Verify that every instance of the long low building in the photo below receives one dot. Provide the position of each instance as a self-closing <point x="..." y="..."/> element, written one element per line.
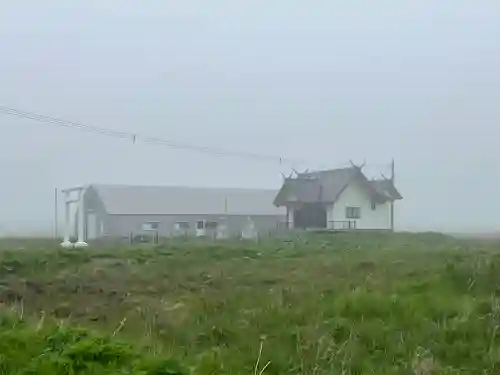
<point x="121" y="210"/>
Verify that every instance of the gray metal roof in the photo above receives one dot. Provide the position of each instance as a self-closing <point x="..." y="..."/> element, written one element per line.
<point x="158" y="200"/>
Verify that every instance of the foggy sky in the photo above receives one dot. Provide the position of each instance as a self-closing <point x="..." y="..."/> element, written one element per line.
<point x="326" y="81"/>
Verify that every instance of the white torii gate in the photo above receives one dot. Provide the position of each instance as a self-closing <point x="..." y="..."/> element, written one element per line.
<point x="80" y="190"/>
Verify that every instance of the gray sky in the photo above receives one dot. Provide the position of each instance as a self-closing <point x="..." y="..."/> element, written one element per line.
<point x="325" y="81"/>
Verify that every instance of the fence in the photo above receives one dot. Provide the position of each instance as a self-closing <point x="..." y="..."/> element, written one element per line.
<point x="341" y="225"/>
<point x="282" y="230"/>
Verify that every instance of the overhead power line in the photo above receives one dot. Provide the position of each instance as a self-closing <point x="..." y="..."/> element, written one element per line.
<point x="144" y="138"/>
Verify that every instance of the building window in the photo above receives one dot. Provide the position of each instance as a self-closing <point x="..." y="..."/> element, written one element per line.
<point x="181" y="225"/>
<point x="211" y="225"/>
<point x="202" y="224"/>
<point x="150" y="225"/>
<point x="353" y="212"/>
<point x="373" y="206"/>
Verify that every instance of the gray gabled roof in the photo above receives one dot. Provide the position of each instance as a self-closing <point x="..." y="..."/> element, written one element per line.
<point x="182" y="200"/>
<point x="386" y="188"/>
<point x="326" y="186"/>
<point x="320" y="186"/>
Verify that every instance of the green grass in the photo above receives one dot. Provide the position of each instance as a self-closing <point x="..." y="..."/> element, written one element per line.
<point x="57" y="349"/>
<point x="343" y="304"/>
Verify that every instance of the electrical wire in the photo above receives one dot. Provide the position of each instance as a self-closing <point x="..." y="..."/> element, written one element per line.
<point x="144" y="138"/>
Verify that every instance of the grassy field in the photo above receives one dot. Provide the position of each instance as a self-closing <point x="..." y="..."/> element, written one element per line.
<point x="344" y="304"/>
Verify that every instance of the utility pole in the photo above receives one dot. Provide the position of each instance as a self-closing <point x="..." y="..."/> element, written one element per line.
<point x="56" y="220"/>
<point x="392" y="202"/>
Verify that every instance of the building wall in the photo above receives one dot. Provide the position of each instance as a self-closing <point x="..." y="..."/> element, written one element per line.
<point x="354" y="195"/>
<point x="290" y="216"/>
<point x="95" y="215"/>
<point x="123" y="225"/>
<point x="329" y="214"/>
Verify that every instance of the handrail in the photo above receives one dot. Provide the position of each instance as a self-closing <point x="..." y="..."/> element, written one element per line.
<point x="330" y="225"/>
